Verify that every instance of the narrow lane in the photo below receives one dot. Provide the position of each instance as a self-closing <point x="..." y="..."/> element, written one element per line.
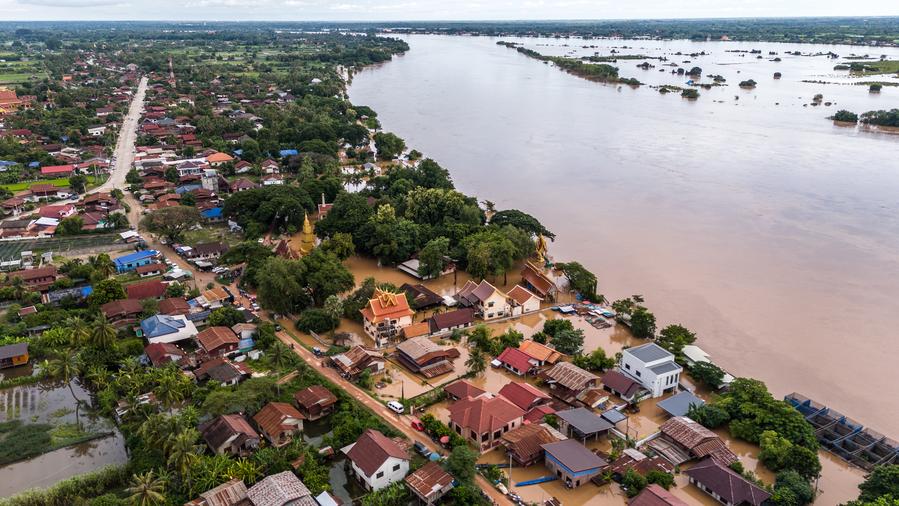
<point x="124" y="150"/>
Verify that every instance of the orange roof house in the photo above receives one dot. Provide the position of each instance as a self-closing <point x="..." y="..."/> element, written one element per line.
<point x="219" y="157"/>
<point x="278" y="422"/>
<point x="218" y="340"/>
<point x="386" y="315"/>
<point x="539" y="352"/>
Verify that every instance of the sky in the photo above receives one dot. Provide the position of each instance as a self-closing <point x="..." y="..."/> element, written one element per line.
<point x="419" y="10"/>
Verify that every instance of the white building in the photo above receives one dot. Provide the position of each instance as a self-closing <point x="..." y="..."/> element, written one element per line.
<point x="489" y="302"/>
<point x="376" y="460"/>
<point x="652" y="366"/>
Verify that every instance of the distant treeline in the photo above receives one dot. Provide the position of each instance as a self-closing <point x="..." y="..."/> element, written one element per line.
<point x="601" y="72"/>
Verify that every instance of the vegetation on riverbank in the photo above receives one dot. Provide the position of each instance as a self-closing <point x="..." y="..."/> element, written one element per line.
<point x="20" y="441"/>
<point x="600" y="72"/>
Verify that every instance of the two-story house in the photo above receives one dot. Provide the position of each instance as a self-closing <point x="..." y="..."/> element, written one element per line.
<point x="652" y="366"/>
<point x="484" y="419"/>
<point x="489" y="302"/>
<point x="376" y="460"/>
<point x="385" y="316"/>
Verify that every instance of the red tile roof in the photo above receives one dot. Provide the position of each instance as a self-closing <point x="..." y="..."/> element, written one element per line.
<point x="158" y="353"/>
<point x="372" y="449"/>
<point x="654" y="495"/>
<point x="272" y="416"/>
<point x="146" y="290"/>
<point x="462" y="389"/>
<point x="213" y="338"/>
<point x="316" y="394"/>
<point x="516" y="358"/>
<point x="123" y="307"/>
<point x="523" y="395"/>
<point x="484" y="413"/>
<point x="174" y="306"/>
<point x="386" y="305"/>
<point x="57" y="169"/>
<point x="154" y="267"/>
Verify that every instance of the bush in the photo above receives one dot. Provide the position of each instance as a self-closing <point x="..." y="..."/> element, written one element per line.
<point x="315" y="320"/>
<point x="846" y="116"/>
<point x="749" y="83"/>
<point x="875" y="87"/>
<point x="65" y="492"/>
<point x="690" y="93"/>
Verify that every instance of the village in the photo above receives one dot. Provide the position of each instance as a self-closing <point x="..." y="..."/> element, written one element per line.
<point x="248" y="330"/>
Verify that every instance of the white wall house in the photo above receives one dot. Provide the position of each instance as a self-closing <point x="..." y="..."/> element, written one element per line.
<point x="652" y="366"/>
<point x="376" y="460"/>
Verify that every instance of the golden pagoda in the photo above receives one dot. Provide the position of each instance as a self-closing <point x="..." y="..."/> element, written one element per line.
<point x="307" y="237"/>
<point x="542" y="250"/>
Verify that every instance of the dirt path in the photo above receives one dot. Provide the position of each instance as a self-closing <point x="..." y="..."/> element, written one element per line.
<point x="401" y="423"/>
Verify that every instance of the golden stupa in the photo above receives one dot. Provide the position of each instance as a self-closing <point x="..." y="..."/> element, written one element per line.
<point x="307" y="237"/>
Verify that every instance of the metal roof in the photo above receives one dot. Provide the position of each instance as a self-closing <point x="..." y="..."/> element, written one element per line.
<point x="649" y="352"/>
<point x="584" y="420"/>
<point x="679" y="404"/>
<point x="665" y="368"/>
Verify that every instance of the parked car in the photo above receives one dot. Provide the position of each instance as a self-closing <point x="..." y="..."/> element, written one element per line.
<point x="396" y="407"/>
<point x="421" y="449"/>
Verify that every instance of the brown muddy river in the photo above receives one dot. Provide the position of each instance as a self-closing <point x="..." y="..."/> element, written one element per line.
<point x="744" y="215"/>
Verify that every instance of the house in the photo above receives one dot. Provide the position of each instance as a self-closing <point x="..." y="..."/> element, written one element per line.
<point x="544" y="355"/>
<point x="351" y="363"/>
<point x="484" y="419"/>
<point x="218" y="158"/>
<point x="411" y="266"/>
<point x="621" y="385"/>
<point x="525" y="444"/>
<point x="488" y="301"/>
<point x="38" y="279"/>
<point x="652" y="366"/>
<point x="377" y="460"/>
<point x="462" y="390"/>
<point x="423" y="356"/>
<point x="315" y="402"/>
<point x="75" y="294"/>
<point x="272" y="179"/>
<point x="279" y="422"/>
<point x="654" y="495"/>
<point x="13" y="206"/>
<point x="134" y="260"/>
<point x="572" y="462"/>
<point x="516" y="361"/>
<point x="222" y="371"/>
<point x="538" y="413"/>
<point x="680" y="403"/>
<point x="241" y="185"/>
<point x="270" y="166"/>
<point x="632" y="458"/>
<point x="567" y="380"/>
<point x="47" y="191"/>
<point x="230" y="493"/>
<point x="96" y="131"/>
<point x="386" y="315"/>
<point x="725" y="485"/>
<point x="174" y="306"/>
<point x="150" y="270"/>
<point x="122" y="312"/>
<point x="683" y="439"/>
<point x="524" y="395"/>
<point x="217" y="341"/>
<point x="160" y="354"/>
<point x="416" y="330"/>
<point x="581" y="423"/>
<point x="282" y="489"/>
<point x="57" y="170"/>
<point x="421" y="297"/>
<point x="207" y="251"/>
<point x="154" y="289"/>
<point x="537" y="282"/>
<point x="167" y="329"/>
<point x="244" y="330"/>
<point x="230" y="434"/>
<point x="523" y="301"/>
<point x="451" y="320"/>
<point x="429" y="483"/>
<point x="13" y="355"/>
<point x="57" y="211"/>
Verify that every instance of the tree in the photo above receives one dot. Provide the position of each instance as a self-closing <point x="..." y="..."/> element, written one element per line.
<point x="103" y="265"/>
<point x="133" y="177"/>
<point x="389" y="145"/>
<point x="553" y="327"/>
<point x="146" y="489"/>
<point x="315" y="320"/>
<point x="673" y="338"/>
<point x="349" y="214"/>
<point x="325" y="275"/>
<point x="695" y="71"/>
<point x="65" y="366"/>
<point x="181" y="450"/>
<point x="314" y="474"/>
<point x="102" y="333"/>
<point x="171" y="222"/>
<point x="633" y="482"/>
<point x="77" y="183"/>
<point x="595" y="361"/>
<point x="569" y="342"/>
<point x="476" y="363"/>
<point x="280" y="285"/>
<point x="105" y="291"/>
<point x="582" y="280"/>
<point x="432" y="259"/>
<point x="643" y="323"/>
<point x="333" y="307"/>
<point x="660" y="478"/>
<point x="708" y="373"/>
<point x="461" y="464"/>
<point x="709" y="415"/>
<point x="846" y="116"/>
<point x="392" y="495"/>
<point x="792" y="489"/>
<point x="882" y="481"/>
<point x="70" y="226"/>
<point x="340" y="245"/>
<point x="225" y="316"/>
<point x="521" y="220"/>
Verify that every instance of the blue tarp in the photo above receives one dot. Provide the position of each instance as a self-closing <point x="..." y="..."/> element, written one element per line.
<point x="6" y="163"/>
<point x="215" y="212"/>
<point x="34" y="164"/>
<point x="238" y="152"/>
<point x="288" y="152"/>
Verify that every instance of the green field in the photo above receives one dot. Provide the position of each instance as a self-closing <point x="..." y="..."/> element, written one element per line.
<point x="875" y="67"/>
<point x="10" y="250"/>
<point x="61" y="182"/>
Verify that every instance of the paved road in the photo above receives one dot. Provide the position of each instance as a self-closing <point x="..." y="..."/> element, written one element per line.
<point x="124" y="150"/>
<point x="400" y="422"/>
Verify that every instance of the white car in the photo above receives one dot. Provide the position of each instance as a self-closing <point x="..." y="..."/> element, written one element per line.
<point x="396" y="407"/>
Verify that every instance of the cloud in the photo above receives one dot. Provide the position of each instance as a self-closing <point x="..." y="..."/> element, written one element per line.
<point x="71" y="3"/>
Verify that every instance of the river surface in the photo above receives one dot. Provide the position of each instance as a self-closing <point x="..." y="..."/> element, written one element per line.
<point x="744" y="215"/>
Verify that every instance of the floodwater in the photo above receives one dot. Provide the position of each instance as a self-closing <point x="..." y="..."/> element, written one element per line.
<point x="52" y="403"/>
<point x="744" y="215"/>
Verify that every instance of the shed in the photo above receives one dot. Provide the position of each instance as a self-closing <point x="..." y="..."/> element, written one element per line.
<point x="572" y="462"/>
<point x="430" y="482"/>
<point x="680" y="403"/>
<point x="582" y="423"/>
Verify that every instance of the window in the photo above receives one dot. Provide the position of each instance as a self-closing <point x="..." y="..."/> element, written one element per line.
<point x="497" y="434"/>
<point x="484" y="436"/>
<point x="490" y="304"/>
<point x="396" y="467"/>
<point x="638" y="374"/>
<point x="380" y="475"/>
<point x="627" y="366"/>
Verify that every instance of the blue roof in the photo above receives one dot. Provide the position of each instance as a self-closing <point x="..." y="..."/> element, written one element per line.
<point x="6" y="163"/>
<point x="34" y="164"/>
<point x="187" y="188"/>
<point x="238" y="152"/>
<point x="199" y="316"/>
<point x="214" y="212"/>
<point x="288" y="152"/>
<point x="136" y="256"/>
<point x="87" y="290"/>
<point x="160" y="325"/>
<point x="679" y="404"/>
<point x="246" y="344"/>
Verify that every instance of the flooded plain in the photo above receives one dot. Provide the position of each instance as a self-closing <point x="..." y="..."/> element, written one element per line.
<point x="744" y="215"/>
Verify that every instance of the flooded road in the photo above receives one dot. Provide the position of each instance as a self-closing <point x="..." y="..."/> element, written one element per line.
<point x="744" y="215"/>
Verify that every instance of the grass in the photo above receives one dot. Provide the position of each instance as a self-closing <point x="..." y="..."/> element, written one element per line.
<point x="61" y="182"/>
<point x="17" y="78"/>
<point x="210" y="234"/>
<point x="878" y="67"/>
<point x="19" y="441"/>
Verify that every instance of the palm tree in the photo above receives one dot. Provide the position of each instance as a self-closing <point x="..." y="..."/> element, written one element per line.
<point x="65" y="367"/>
<point x="182" y="450"/>
<point x="79" y="330"/>
<point x="170" y="390"/>
<point x="247" y="470"/>
<point x="476" y="362"/>
<point x="146" y="490"/>
<point x="97" y="375"/>
<point x="103" y="265"/>
<point x="278" y="355"/>
<point x="102" y="334"/>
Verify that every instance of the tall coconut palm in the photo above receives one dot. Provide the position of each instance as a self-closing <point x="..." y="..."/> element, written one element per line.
<point x="476" y="362"/>
<point x="247" y="470"/>
<point x="103" y="265"/>
<point x="80" y="332"/>
<point x="102" y="333"/>
<point x="146" y="489"/>
<point x="182" y="450"/>
<point x="170" y="389"/>
<point x="66" y="367"/>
